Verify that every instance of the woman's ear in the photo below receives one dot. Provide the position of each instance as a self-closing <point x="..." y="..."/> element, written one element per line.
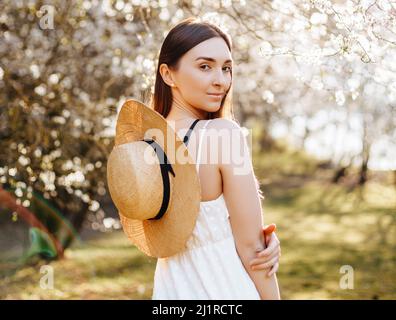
<point x="166" y="75"/>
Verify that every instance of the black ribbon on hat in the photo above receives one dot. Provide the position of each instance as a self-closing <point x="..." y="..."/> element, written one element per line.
<point x="187" y="136"/>
<point x="165" y="169"/>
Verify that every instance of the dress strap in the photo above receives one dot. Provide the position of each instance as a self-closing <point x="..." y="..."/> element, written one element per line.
<point x="200" y="145"/>
<point x="187" y="136"/>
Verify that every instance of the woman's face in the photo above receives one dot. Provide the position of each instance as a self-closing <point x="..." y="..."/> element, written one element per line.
<point x="203" y="70"/>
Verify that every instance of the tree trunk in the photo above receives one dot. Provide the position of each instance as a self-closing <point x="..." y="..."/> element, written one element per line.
<point x="340" y="172"/>
<point x="363" y="177"/>
<point x="363" y="173"/>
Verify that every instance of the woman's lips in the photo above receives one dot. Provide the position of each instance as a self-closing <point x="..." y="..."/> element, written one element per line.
<point x="218" y="96"/>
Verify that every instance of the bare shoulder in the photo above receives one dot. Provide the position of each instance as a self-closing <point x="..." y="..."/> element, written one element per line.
<point x="221" y="131"/>
<point x="223" y="128"/>
<point x="225" y="140"/>
<point x="223" y="123"/>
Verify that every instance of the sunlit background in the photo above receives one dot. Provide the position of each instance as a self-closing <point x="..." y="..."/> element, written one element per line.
<point x="314" y="81"/>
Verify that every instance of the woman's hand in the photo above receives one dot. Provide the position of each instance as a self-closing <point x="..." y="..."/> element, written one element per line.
<point x="269" y="257"/>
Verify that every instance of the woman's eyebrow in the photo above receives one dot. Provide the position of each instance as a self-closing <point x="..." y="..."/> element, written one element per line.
<point x="211" y="59"/>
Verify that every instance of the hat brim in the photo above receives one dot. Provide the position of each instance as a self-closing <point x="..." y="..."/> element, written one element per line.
<point x="166" y="236"/>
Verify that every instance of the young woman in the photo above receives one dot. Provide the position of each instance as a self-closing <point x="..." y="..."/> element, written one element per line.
<point x="226" y="256"/>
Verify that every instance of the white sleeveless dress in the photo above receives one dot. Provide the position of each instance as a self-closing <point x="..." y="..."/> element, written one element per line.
<point x="210" y="267"/>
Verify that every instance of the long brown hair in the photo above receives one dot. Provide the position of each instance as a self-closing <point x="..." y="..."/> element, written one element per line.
<point x="181" y="38"/>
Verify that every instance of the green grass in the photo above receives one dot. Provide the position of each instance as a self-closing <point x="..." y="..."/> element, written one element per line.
<point x="105" y="267"/>
<point x="321" y="226"/>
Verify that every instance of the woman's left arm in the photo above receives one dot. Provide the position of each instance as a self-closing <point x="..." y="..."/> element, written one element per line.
<point x="269" y="257"/>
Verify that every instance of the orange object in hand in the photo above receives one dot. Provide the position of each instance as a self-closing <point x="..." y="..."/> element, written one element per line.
<point x="267" y="232"/>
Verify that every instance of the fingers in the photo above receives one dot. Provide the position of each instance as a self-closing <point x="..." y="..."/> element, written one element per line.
<point x="269" y="257"/>
<point x="273" y="254"/>
<point x="257" y="262"/>
<point x="265" y="265"/>
<point x="261" y="260"/>
<point x="273" y="270"/>
<point x="267" y="239"/>
<point x="272" y="245"/>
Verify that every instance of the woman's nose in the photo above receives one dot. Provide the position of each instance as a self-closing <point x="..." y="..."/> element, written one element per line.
<point x="220" y="78"/>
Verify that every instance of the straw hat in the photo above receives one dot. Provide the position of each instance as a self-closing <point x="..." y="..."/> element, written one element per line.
<point x="145" y="183"/>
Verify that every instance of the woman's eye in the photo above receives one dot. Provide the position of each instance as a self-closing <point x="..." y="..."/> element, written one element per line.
<point x="205" y="65"/>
